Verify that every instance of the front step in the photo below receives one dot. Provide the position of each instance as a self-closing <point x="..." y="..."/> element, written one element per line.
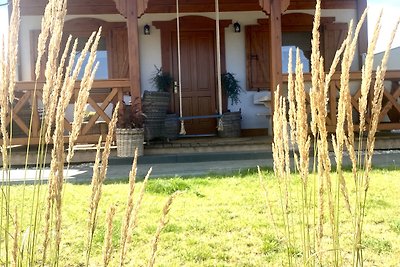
<point x="209" y="145"/>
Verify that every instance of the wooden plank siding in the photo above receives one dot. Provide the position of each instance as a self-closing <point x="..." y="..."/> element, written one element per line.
<point x="77" y="7"/>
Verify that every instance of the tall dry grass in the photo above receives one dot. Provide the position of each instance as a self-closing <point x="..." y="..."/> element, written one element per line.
<point x="34" y="236"/>
<point x="311" y="218"/>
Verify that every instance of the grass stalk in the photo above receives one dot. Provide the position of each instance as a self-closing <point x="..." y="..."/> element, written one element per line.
<point x="161" y="225"/>
<point x="325" y="186"/>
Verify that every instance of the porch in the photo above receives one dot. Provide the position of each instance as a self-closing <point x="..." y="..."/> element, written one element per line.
<point x="106" y="93"/>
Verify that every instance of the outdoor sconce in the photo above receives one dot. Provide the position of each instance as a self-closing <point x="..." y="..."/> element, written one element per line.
<point x="236" y="27"/>
<point x="146" y="29"/>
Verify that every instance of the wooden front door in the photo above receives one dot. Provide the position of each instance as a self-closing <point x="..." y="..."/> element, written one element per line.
<point x="198" y="80"/>
<point x="198" y="61"/>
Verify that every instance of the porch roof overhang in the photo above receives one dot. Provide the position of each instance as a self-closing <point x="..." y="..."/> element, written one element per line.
<point x="85" y="7"/>
<point x="169" y="6"/>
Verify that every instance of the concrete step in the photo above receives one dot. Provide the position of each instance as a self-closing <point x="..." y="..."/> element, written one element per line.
<point x="194" y="157"/>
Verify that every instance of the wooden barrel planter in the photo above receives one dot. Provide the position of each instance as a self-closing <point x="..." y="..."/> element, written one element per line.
<point x="231" y="124"/>
<point x="128" y="140"/>
<point x="155" y="105"/>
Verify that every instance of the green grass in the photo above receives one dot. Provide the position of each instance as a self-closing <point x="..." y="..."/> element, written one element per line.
<point x="219" y="221"/>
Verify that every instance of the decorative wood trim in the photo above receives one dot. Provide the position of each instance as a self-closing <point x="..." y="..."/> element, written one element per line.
<point x="141" y="5"/>
<point x="121" y="7"/>
<point x="284" y="5"/>
<point x="80" y="7"/>
<point x="265" y="6"/>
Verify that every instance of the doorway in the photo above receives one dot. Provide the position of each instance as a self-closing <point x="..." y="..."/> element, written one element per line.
<point x="198" y="68"/>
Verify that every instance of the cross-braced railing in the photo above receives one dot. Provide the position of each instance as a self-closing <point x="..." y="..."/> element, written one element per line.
<point x="27" y="111"/>
<point x="389" y="118"/>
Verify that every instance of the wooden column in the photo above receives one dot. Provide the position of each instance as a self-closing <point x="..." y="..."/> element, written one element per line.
<point x="133" y="51"/>
<point x="275" y="48"/>
<point x="363" y="38"/>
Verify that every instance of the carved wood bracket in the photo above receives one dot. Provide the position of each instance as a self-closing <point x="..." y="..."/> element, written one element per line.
<point x="122" y="6"/>
<point x="266" y="5"/>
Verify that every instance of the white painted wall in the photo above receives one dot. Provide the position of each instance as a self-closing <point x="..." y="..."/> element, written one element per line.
<point x="150" y="52"/>
<point x="393" y="62"/>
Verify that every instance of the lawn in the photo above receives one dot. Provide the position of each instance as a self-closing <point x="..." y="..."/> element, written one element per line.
<point x="218" y="221"/>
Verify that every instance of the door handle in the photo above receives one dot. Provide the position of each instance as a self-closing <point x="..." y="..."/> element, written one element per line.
<point x="176" y="87"/>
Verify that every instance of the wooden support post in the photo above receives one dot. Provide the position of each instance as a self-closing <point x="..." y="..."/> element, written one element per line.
<point x="275" y="49"/>
<point x="133" y="51"/>
<point x="363" y="38"/>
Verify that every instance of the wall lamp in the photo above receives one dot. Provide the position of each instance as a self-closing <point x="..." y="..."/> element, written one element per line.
<point x="236" y="27"/>
<point x="146" y="29"/>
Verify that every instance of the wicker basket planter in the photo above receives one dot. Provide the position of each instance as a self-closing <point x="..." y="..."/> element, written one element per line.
<point x="231" y="122"/>
<point x="171" y="127"/>
<point x="155" y="105"/>
<point x="128" y="140"/>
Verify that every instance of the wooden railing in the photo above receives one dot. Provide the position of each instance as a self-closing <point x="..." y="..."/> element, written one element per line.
<point x="104" y="94"/>
<point x="389" y="118"/>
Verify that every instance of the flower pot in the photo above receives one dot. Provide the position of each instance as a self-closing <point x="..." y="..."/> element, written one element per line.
<point x="155" y="106"/>
<point x="128" y="140"/>
<point x="171" y="127"/>
<point x="231" y="124"/>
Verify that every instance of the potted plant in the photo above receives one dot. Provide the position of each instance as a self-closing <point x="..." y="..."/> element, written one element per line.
<point x="161" y="80"/>
<point x="230" y="121"/>
<point x="231" y="87"/>
<point x="156" y="103"/>
<point x="130" y="130"/>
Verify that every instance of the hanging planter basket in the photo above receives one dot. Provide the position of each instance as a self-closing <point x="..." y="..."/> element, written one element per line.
<point x="128" y="140"/>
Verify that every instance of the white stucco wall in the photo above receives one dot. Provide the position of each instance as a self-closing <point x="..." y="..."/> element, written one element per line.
<point x="393" y="62"/>
<point x="150" y="52"/>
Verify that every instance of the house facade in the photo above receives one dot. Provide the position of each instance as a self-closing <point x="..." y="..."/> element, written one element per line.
<point x="253" y="43"/>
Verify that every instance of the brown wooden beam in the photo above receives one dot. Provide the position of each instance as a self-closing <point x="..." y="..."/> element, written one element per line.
<point x="275" y="48"/>
<point x="363" y="38"/>
<point x="133" y="51"/>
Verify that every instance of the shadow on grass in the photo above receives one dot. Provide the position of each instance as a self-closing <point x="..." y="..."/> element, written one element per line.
<point x="238" y="174"/>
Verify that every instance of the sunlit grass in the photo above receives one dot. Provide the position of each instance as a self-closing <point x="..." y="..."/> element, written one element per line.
<point x="220" y="221"/>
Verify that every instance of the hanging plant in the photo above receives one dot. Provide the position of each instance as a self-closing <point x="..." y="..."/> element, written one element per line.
<point x="161" y="80"/>
<point x="231" y="87"/>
